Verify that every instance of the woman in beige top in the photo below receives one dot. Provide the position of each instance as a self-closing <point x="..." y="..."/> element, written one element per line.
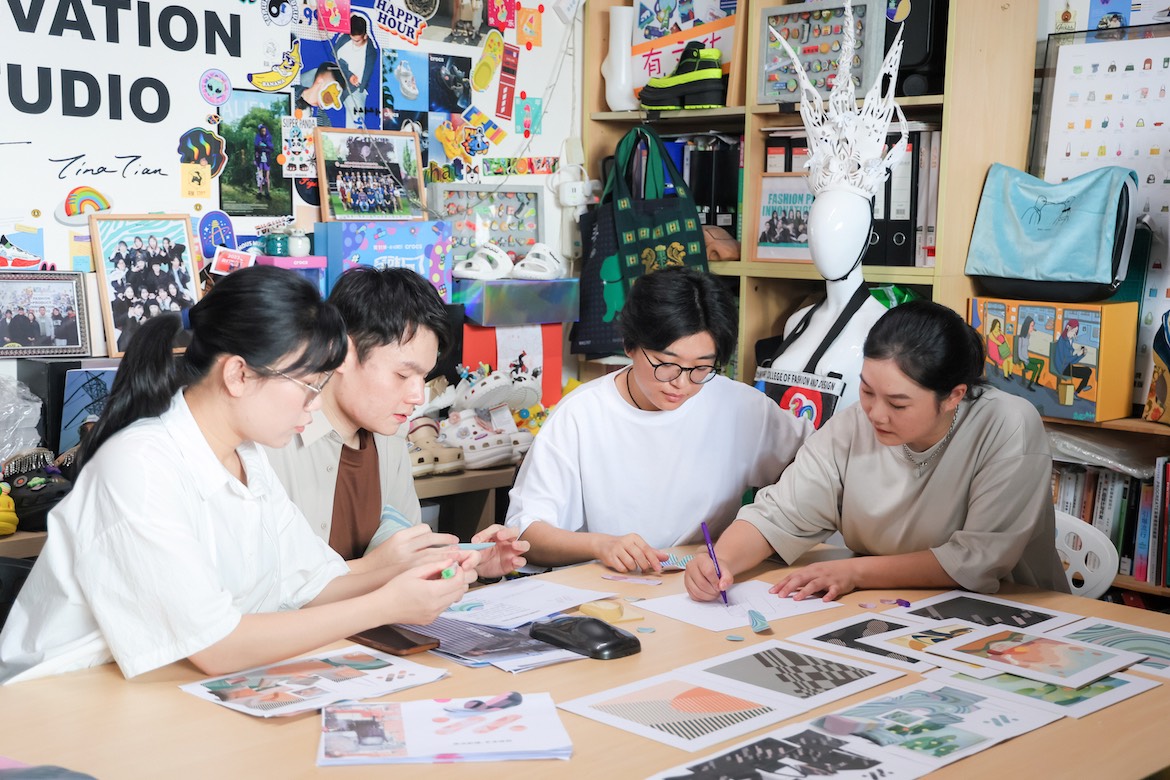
<point x="933" y="479"/>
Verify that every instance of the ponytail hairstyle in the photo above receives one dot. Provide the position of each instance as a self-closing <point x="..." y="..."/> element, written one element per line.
<point x="262" y="314"/>
<point x="930" y="344"/>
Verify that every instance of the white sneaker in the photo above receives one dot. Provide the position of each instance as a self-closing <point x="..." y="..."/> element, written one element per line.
<point x="12" y="256"/>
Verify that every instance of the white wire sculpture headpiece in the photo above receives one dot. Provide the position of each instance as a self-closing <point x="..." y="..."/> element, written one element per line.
<point x="845" y="143"/>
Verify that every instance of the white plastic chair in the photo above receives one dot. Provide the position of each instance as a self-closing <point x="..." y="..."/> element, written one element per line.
<point x="1089" y="558"/>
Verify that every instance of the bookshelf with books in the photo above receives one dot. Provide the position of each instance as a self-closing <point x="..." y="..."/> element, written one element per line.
<point x="984" y="114"/>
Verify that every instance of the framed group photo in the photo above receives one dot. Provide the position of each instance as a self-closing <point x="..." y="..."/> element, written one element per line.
<point x="369" y="175"/>
<point x="146" y="267"/>
<point x="43" y="314"/>
<point x="782" y="217"/>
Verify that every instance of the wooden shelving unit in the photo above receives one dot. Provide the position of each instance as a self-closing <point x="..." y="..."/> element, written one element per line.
<point x="985" y="111"/>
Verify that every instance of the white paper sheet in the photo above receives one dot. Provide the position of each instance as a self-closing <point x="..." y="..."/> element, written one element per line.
<point x="715" y="616"/>
<point x="516" y="602"/>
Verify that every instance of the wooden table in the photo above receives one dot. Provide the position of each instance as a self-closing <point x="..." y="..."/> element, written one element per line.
<point x="22" y="544"/>
<point x="94" y="721"/>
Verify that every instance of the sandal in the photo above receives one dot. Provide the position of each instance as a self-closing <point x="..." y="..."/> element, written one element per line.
<point x="424" y="435"/>
<point x="541" y="262"/>
<point x="487" y="262"/>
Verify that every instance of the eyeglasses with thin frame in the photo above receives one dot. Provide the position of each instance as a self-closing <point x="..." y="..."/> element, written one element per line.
<point x="668" y="372"/>
<point x="311" y="391"/>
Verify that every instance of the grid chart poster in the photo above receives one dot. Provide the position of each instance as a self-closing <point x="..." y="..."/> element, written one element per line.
<point x="1110" y="107"/>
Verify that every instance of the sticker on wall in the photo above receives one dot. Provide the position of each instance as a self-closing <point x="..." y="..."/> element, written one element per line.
<point x="405" y="81"/>
<point x="215" y="229"/>
<point x="281" y="74"/>
<point x="215" y="86"/>
<point x="450" y="89"/>
<point x="489" y="61"/>
<point x="200" y="145"/>
<point x="225" y="260"/>
<point x="519" y="166"/>
<point x="402" y="22"/>
<point x="506" y="90"/>
<point x="457" y="171"/>
<point x="23" y="247"/>
<point x="529" y="27"/>
<point x="194" y="180"/>
<point x="528" y="114"/>
<point x="277" y="12"/>
<point x="502" y="14"/>
<point x="449" y="139"/>
<point x="333" y="16"/>
<point x="80" y="252"/>
<point x="307" y="190"/>
<point x="82" y="201"/>
<point x="296" y="147"/>
<point x="491" y="131"/>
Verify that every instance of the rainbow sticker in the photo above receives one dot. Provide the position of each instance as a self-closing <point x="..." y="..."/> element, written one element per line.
<point x="79" y="204"/>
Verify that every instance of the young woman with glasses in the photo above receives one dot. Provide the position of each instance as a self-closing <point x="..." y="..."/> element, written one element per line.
<point x="632" y="463"/>
<point x="177" y="540"/>
<point x="934" y="479"/>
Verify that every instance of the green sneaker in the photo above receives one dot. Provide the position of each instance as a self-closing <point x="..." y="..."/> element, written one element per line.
<point x="697" y="82"/>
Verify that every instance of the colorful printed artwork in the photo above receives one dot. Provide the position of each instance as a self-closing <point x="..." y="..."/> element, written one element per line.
<point x="678" y="712"/>
<point x="1121" y="636"/>
<point x="1047" y="659"/>
<point x="1057" y="699"/>
<point x="934" y="722"/>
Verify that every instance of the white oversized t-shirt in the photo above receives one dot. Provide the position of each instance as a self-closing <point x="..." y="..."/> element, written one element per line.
<point x="156" y="554"/>
<point x="600" y="465"/>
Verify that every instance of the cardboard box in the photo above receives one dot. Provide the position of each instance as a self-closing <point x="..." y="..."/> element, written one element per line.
<point x="519" y="301"/>
<point x="1079" y="358"/>
<point x="423" y="247"/>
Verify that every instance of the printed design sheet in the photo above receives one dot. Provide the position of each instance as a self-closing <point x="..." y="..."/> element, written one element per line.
<point x="983" y="610"/>
<point x="1122" y="636"/>
<point x="679" y="713"/>
<point x="933" y="723"/>
<point x="845" y="636"/>
<point x="916" y="641"/>
<point x="516" y="602"/>
<point x="1038" y="657"/>
<point x="311" y="682"/>
<point x="800" y="751"/>
<point x="509" y="726"/>
<point x="744" y="596"/>
<point x="799" y="676"/>
<point x="1057" y="699"/>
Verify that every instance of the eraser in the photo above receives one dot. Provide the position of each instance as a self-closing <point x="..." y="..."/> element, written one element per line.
<point x="609" y="611"/>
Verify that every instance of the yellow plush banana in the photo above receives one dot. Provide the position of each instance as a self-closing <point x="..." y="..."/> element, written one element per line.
<point x="282" y="75"/>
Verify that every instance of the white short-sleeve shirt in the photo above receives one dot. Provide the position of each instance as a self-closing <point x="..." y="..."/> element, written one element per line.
<point x="156" y="554"/>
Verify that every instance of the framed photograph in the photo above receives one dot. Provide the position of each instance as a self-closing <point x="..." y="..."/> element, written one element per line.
<point x="511" y="216"/>
<point x="782" y="217"/>
<point x="369" y="175"/>
<point x="815" y="31"/>
<point x="145" y="266"/>
<point x="253" y="184"/>
<point x="44" y="314"/>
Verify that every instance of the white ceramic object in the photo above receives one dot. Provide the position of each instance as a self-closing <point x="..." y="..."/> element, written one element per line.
<point x="618" y="67"/>
<point x="298" y="243"/>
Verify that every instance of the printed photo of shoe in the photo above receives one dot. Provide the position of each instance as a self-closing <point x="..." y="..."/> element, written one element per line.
<point x="406" y="80"/>
<point x="12" y="256"/>
<point x="697" y="82"/>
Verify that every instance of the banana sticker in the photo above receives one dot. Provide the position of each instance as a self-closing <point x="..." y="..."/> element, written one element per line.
<point x="282" y="75"/>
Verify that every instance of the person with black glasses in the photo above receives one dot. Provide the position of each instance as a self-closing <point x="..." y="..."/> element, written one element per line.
<point x="631" y="463"/>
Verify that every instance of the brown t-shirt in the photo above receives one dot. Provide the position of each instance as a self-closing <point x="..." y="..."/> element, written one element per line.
<point x="357" y="501"/>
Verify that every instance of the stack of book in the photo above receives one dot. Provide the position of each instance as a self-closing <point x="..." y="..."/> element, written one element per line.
<point x="1132" y="512"/>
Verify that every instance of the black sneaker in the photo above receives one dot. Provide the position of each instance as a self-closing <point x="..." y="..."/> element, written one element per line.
<point x="697" y="82"/>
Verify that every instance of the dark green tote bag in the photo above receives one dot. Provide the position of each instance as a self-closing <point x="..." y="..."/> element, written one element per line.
<point x="630" y="234"/>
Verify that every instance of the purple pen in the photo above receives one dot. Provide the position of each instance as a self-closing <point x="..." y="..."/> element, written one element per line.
<point x="714" y="560"/>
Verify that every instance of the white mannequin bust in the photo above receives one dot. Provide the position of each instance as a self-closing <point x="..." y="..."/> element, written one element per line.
<point x="838" y="231"/>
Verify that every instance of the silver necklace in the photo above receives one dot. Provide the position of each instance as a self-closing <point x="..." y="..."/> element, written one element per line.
<point x="920" y="467"/>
